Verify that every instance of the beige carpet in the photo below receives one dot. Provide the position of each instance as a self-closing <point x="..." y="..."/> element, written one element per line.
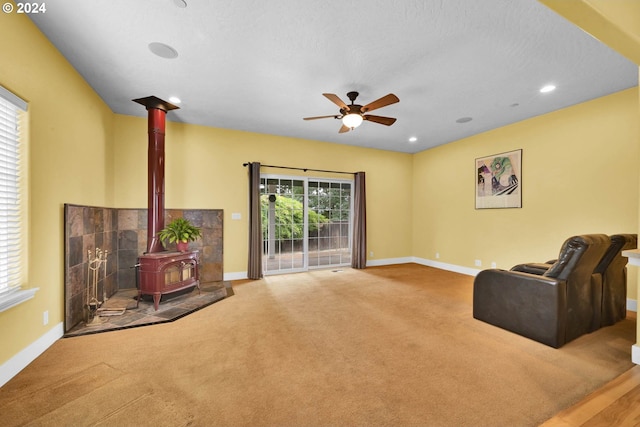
<point x="385" y="346"/>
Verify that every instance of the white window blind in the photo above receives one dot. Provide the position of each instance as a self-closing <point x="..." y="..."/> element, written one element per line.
<point x="11" y="225"/>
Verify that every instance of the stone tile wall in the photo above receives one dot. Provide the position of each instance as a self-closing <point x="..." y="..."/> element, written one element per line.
<point x="123" y="233"/>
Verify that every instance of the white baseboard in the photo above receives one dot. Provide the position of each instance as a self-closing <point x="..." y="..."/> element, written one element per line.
<point x="635" y="354"/>
<point x="632" y="305"/>
<point x="239" y="275"/>
<point x="449" y="267"/>
<point x="422" y="261"/>
<point x="388" y="261"/>
<point x="17" y="363"/>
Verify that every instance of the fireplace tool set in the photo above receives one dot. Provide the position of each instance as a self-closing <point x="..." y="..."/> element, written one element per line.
<point x="93" y="274"/>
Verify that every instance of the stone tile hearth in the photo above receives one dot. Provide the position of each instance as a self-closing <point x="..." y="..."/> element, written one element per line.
<point x="120" y="311"/>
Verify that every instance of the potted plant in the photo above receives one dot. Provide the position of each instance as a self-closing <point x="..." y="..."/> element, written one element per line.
<point x="179" y="231"/>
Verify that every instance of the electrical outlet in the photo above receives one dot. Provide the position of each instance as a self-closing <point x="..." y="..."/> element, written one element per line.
<point x="371" y="254"/>
<point x="437" y="255"/>
<point x="478" y="263"/>
<point x="493" y="264"/>
<point x="45" y="318"/>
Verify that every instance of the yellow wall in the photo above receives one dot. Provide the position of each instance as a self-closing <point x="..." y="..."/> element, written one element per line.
<point x="204" y="170"/>
<point x="70" y="161"/>
<point x="580" y="175"/>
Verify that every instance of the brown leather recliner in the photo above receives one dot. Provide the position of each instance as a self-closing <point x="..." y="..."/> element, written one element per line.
<point x="553" y="308"/>
<point x="614" y="278"/>
<point x="609" y="283"/>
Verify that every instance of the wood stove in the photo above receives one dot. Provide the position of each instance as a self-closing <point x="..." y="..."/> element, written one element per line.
<point x="161" y="272"/>
<point x="164" y="273"/>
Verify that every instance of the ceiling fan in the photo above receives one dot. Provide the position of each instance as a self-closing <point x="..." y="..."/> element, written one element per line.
<point x="353" y="115"/>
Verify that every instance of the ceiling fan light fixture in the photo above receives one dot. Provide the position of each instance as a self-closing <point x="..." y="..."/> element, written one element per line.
<point x="352" y="120"/>
<point x="353" y="115"/>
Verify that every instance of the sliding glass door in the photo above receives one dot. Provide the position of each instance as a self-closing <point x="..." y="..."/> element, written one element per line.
<point x="329" y="223"/>
<point x="306" y="223"/>
<point x="282" y="202"/>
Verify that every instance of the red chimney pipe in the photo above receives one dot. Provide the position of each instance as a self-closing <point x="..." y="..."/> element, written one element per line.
<point x="157" y="109"/>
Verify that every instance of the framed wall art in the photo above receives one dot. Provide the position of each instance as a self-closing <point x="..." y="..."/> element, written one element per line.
<point x="499" y="181"/>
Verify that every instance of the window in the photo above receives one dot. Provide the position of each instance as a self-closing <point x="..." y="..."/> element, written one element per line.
<point x="12" y="210"/>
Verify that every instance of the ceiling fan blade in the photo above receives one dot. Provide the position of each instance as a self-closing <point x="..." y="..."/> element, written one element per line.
<point x="321" y="117"/>
<point x="344" y="129"/>
<point x="334" y="98"/>
<point x="382" y="102"/>
<point x="388" y="121"/>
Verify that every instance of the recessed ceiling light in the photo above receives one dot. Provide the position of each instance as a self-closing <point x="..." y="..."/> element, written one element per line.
<point x="547" y="88"/>
<point x="174" y="100"/>
<point x="180" y="3"/>
<point x="163" y="50"/>
<point x="413" y="139"/>
<point x="464" y="120"/>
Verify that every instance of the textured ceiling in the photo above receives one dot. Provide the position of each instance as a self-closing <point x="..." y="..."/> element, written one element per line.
<point x="262" y="66"/>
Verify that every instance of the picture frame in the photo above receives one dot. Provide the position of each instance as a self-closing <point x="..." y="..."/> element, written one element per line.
<point x="499" y="180"/>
